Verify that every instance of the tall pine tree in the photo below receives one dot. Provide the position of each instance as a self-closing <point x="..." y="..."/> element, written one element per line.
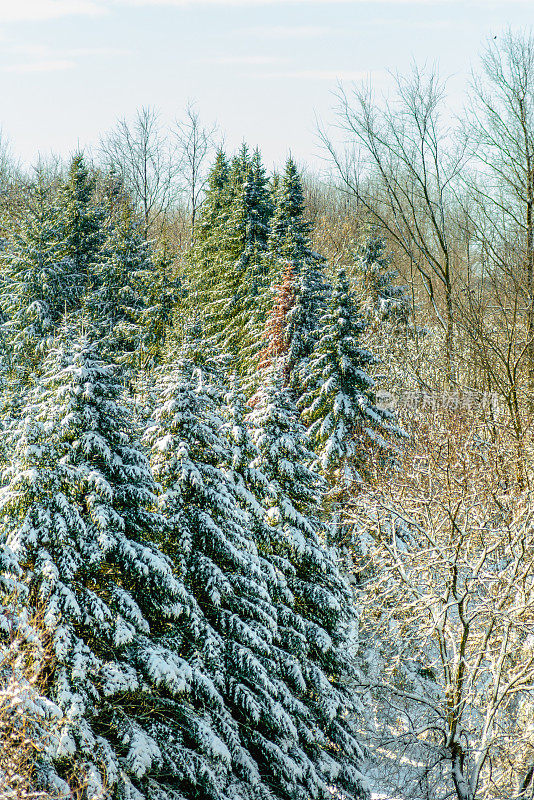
<point x="289" y="243"/>
<point x="339" y="404"/>
<point x="227" y="270"/>
<point x="38" y="278"/>
<point x="81" y="219"/>
<point x="116" y="303"/>
<point x="287" y="718"/>
<point x="315" y="615"/>
<point x="77" y="535"/>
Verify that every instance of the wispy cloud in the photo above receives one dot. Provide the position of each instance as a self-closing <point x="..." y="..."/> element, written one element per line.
<point x="39" y="10"/>
<point x="183" y="3"/>
<point x="318" y="74"/>
<point x="45" y="52"/>
<point x="48" y="65"/>
<point x="289" y="31"/>
<point x="42" y="58"/>
<point x="253" y="61"/>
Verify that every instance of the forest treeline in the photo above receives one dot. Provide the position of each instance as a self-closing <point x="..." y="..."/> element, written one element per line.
<point x="265" y="445"/>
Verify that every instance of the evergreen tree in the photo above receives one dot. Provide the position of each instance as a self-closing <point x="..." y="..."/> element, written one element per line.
<point x="280" y="334"/>
<point x="205" y="264"/>
<point x="162" y="291"/>
<point x="383" y="301"/>
<point x="208" y="540"/>
<point x="289" y="238"/>
<point x="314" y="611"/>
<point x="123" y="277"/>
<point x="339" y="403"/>
<point x="276" y="704"/>
<point x="77" y="537"/>
<point x="81" y="221"/>
<point x="227" y="277"/>
<point x="289" y="242"/>
<point x="38" y="281"/>
<point x="202" y="266"/>
<point x="241" y="303"/>
<point x="257" y="205"/>
<point x="289" y="231"/>
<point x="216" y="201"/>
<point x="249" y="483"/>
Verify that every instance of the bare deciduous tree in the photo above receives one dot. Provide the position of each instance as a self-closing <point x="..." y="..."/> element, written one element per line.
<point x="140" y="154"/>
<point x="399" y="164"/>
<point x="446" y="587"/>
<point x="500" y="122"/>
<point x="195" y="145"/>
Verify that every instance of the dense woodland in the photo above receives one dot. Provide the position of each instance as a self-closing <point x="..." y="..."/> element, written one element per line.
<point x="266" y="443"/>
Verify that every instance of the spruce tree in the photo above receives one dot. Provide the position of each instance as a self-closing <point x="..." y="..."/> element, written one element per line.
<point x="257" y="209"/>
<point x="215" y="203"/>
<point x="162" y="291"/>
<point x="207" y="537"/>
<point x="289" y="243"/>
<point x="38" y="280"/>
<point x="276" y="704"/>
<point x="280" y="334"/>
<point x="249" y="483"/>
<point x="240" y="304"/>
<point x="227" y="275"/>
<point x="77" y="534"/>
<point x="289" y="236"/>
<point x="383" y="300"/>
<point x="339" y="403"/>
<point x="116" y="304"/>
<point x="204" y="272"/>
<point x="81" y="220"/>
<point x="315" y="615"/>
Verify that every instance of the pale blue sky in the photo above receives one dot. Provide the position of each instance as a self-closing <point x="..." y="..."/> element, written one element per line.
<point x="262" y="69"/>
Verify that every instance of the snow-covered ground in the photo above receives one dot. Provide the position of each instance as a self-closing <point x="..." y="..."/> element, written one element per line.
<point x="375" y="796"/>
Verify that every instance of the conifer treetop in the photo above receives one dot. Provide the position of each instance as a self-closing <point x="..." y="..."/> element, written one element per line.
<point x="339" y="404"/>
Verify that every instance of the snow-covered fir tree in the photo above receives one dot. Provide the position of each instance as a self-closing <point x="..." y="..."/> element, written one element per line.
<point x="77" y="546"/>
<point x="81" y="219"/>
<point x="241" y="301"/>
<point x="290" y="244"/>
<point x="280" y="334"/>
<point x="315" y="616"/>
<point x="289" y="236"/>
<point x="227" y="273"/>
<point x="286" y="724"/>
<point x="38" y="280"/>
<point x="208" y="539"/>
<point x="117" y="305"/>
<point x="339" y="404"/>
<point x="382" y="299"/>
<point x="215" y="203"/>
<point x="162" y="291"/>
<point x="255" y="285"/>
<point x="249" y="483"/>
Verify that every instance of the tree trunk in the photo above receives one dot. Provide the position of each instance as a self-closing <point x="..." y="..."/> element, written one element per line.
<point x="449" y="337"/>
<point x="530" y="295"/>
<point x="461" y="784"/>
<point x="526" y="783"/>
